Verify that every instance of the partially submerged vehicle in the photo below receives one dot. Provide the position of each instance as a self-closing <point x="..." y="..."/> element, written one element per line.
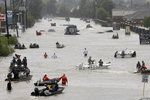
<point x="115" y="36"/>
<point x="51" y="30"/>
<point x="34" y="45"/>
<point x="53" y="24"/>
<point x="59" y="46"/>
<point x="38" y="33"/>
<point x="72" y="30"/>
<point x="125" y="53"/>
<point x="67" y="18"/>
<point x="88" y="26"/>
<point x="46" y="92"/>
<point x="83" y="66"/>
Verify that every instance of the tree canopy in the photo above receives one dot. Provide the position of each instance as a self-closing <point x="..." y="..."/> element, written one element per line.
<point x="94" y="9"/>
<point x="147" y="21"/>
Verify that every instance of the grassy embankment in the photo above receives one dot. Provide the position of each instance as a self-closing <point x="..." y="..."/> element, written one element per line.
<point x="5" y="45"/>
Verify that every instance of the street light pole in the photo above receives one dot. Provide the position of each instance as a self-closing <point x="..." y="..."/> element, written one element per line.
<point x="26" y="15"/>
<point x="7" y="30"/>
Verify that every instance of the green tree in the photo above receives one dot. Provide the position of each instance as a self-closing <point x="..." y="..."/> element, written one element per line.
<point x="108" y="5"/>
<point x="147" y="21"/>
<point x="101" y="13"/>
<point x="63" y="11"/>
<point x="92" y="8"/>
<point x="51" y="7"/>
<point x="35" y="8"/>
<point x="1" y="8"/>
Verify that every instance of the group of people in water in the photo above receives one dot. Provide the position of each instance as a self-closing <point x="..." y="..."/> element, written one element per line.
<point x="54" y="56"/>
<point x="141" y="67"/>
<point x="19" y="46"/>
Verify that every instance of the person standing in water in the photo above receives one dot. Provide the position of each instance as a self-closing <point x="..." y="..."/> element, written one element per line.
<point x="9" y="87"/>
<point x="64" y="80"/>
<point x="85" y="52"/>
<point x="45" y="55"/>
<point x="54" y="56"/>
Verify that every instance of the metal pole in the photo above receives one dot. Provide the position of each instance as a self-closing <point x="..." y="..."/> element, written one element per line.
<point x="143" y="89"/>
<point x="7" y="30"/>
<point x="26" y="15"/>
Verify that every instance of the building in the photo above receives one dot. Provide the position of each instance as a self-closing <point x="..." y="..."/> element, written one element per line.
<point x="118" y="14"/>
<point x="138" y="17"/>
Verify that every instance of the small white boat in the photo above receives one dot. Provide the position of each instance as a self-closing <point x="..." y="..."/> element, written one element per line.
<point x="125" y="53"/>
<point x="83" y="66"/>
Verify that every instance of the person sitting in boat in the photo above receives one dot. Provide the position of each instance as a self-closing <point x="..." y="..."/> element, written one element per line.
<point x="138" y="66"/>
<point x="143" y="66"/>
<point x="57" y="43"/>
<point x="19" y="62"/>
<point x="14" y="60"/>
<point x="90" y="60"/>
<point x="45" y="78"/>
<point x="31" y="44"/>
<point x="17" y="56"/>
<point x="123" y="53"/>
<point x="117" y="35"/>
<point x="9" y="76"/>
<point x="100" y="62"/>
<point x="24" y="62"/>
<point x="54" y="87"/>
<point x="45" y="55"/>
<point x="23" y="46"/>
<point x="85" y="52"/>
<point x="50" y="89"/>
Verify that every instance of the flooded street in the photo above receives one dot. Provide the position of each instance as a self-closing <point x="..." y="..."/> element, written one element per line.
<point x="116" y="83"/>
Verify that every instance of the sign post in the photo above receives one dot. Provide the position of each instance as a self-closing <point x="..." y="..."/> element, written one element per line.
<point x="144" y="80"/>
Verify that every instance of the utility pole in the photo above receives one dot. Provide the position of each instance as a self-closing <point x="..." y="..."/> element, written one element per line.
<point x="6" y="18"/>
<point x="15" y="18"/>
<point x="26" y="15"/>
<point x="131" y="3"/>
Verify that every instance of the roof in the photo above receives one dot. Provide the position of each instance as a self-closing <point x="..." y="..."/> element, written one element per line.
<point x="139" y="14"/>
<point x="118" y="12"/>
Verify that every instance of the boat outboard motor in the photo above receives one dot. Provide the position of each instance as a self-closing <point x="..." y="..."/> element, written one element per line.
<point x="36" y="91"/>
<point x="134" y="54"/>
